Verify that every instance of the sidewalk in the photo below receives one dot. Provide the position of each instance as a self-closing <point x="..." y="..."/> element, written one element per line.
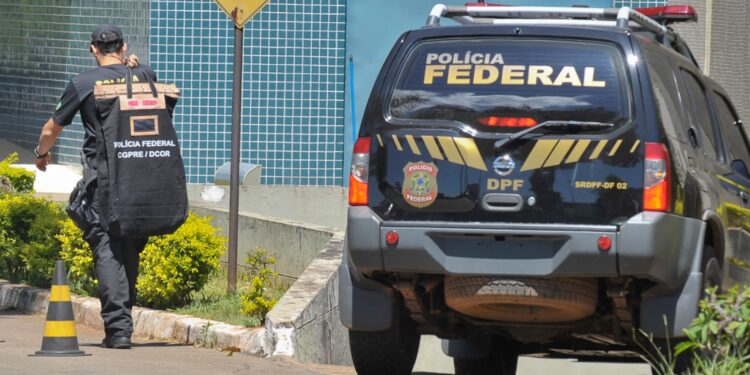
<point x="23" y="336"/>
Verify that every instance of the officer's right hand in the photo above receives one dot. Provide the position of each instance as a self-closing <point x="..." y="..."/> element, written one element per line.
<point x="41" y="163"/>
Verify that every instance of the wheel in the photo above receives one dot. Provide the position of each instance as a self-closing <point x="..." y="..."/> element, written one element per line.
<point x="502" y="361"/>
<point x="522" y="299"/>
<point x="392" y="351"/>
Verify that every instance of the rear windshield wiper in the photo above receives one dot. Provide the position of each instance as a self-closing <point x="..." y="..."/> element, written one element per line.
<point x="578" y="125"/>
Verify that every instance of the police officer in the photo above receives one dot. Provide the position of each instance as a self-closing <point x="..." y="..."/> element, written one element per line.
<point x="115" y="259"/>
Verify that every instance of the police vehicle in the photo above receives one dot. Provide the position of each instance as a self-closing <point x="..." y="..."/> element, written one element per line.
<point x="539" y="178"/>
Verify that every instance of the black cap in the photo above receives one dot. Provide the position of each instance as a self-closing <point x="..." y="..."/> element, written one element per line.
<point x="106" y="33"/>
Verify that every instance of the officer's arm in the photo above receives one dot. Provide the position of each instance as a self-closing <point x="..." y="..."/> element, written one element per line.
<point x="50" y="131"/>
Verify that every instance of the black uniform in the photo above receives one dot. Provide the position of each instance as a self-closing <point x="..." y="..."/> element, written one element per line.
<point x="115" y="259"/>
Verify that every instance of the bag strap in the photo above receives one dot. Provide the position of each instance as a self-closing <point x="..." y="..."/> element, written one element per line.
<point x="129" y="83"/>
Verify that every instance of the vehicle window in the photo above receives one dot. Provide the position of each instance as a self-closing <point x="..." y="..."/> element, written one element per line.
<point x="735" y="136"/>
<point x="501" y="84"/>
<point x="702" y="113"/>
<point x="664" y="85"/>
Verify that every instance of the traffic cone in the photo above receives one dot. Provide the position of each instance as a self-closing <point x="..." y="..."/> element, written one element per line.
<point x="60" y="338"/>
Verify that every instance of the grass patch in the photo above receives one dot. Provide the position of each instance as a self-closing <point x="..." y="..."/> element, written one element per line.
<point x="214" y="303"/>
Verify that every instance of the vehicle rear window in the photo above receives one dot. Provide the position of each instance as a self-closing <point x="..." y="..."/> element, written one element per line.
<point x="498" y="84"/>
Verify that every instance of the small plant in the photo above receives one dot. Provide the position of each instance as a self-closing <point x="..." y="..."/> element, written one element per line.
<point x="21" y="179"/>
<point x="259" y="297"/>
<point x="207" y="339"/>
<point x="28" y="248"/>
<point x="719" y="336"/>
<point x="175" y="265"/>
<point x="77" y="254"/>
<point x="718" y="339"/>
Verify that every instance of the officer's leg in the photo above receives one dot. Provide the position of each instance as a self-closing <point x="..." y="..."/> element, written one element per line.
<point x="114" y="290"/>
<point x="132" y="260"/>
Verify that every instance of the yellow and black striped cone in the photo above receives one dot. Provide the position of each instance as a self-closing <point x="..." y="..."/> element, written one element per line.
<point x="60" y="338"/>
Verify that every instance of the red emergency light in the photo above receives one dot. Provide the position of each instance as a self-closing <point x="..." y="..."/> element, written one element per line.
<point x="670" y="13"/>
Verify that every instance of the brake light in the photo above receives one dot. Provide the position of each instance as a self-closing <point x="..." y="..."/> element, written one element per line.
<point x="657" y="183"/>
<point x="508" y="122"/>
<point x="670" y="13"/>
<point x="360" y="172"/>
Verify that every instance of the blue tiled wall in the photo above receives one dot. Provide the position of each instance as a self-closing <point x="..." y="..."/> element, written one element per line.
<point x="43" y="43"/>
<point x="293" y="109"/>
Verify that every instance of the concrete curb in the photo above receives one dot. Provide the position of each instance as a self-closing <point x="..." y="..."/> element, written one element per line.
<point x="305" y="323"/>
<point x="150" y="324"/>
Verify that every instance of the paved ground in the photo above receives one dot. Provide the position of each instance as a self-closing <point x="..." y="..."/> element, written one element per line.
<point x="23" y="336"/>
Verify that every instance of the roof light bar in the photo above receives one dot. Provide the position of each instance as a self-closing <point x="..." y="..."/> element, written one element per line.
<point x="482" y="13"/>
<point x="670" y="13"/>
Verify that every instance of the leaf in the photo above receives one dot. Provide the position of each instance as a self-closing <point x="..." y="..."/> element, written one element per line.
<point x="741" y="329"/>
<point x="684" y="346"/>
<point x="714" y="327"/>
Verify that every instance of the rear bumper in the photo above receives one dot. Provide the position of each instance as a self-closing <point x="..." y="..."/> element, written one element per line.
<point x="656" y="246"/>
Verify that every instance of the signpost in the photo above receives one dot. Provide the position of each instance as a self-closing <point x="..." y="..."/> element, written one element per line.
<point x="240" y="11"/>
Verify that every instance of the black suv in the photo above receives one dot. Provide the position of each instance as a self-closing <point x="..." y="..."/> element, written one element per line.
<point x="539" y="178"/>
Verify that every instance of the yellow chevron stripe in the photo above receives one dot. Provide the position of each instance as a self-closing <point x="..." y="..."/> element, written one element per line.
<point x="413" y="145"/>
<point x="397" y="143"/>
<point x="598" y="150"/>
<point x="635" y="146"/>
<point x="559" y="152"/>
<point x="380" y="140"/>
<point x="63" y="328"/>
<point x="730" y="182"/>
<point x="450" y="150"/>
<point x="59" y="293"/>
<point x="616" y="147"/>
<point x="470" y="153"/>
<point x="538" y="154"/>
<point x="578" y="151"/>
<point x="432" y="147"/>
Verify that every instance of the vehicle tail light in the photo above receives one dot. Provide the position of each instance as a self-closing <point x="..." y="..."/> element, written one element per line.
<point x="508" y="122"/>
<point x="657" y="186"/>
<point x="670" y="13"/>
<point x="360" y="172"/>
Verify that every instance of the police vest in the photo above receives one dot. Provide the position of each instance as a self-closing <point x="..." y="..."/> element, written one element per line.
<point x="141" y="187"/>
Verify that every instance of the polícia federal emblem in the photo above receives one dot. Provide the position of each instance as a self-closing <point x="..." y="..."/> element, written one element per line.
<point x="420" y="184"/>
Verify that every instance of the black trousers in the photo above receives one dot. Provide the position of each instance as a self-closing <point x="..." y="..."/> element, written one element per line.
<point x="116" y="263"/>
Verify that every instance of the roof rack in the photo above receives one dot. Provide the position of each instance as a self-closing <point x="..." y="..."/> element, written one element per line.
<point x="530" y="15"/>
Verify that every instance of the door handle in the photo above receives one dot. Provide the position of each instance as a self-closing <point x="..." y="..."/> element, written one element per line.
<point x="693" y="136"/>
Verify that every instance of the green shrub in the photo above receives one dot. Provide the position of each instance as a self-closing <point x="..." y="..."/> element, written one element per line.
<point x="78" y="257"/>
<point x="175" y="265"/>
<point x="259" y="297"/>
<point x="21" y="179"/>
<point x="28" y="227"/>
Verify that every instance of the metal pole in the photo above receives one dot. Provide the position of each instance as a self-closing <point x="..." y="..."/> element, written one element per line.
<point x="234" y="180"/>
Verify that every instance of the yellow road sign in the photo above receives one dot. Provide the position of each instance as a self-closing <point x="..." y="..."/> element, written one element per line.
<point x="241" y="11"/>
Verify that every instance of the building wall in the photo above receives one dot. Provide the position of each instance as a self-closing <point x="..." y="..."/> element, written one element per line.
<point x="293" y="111"/>
<point x="293" y="86"/>
<point x="729" y="48"/>
<point x="43" y="43"/>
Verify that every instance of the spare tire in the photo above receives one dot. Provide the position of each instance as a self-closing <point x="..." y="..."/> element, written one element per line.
<point x="518" y="299"/>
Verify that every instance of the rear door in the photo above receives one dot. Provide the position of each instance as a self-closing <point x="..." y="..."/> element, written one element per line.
<point x="437" y="156"/>
<point x="738" y="182"/>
